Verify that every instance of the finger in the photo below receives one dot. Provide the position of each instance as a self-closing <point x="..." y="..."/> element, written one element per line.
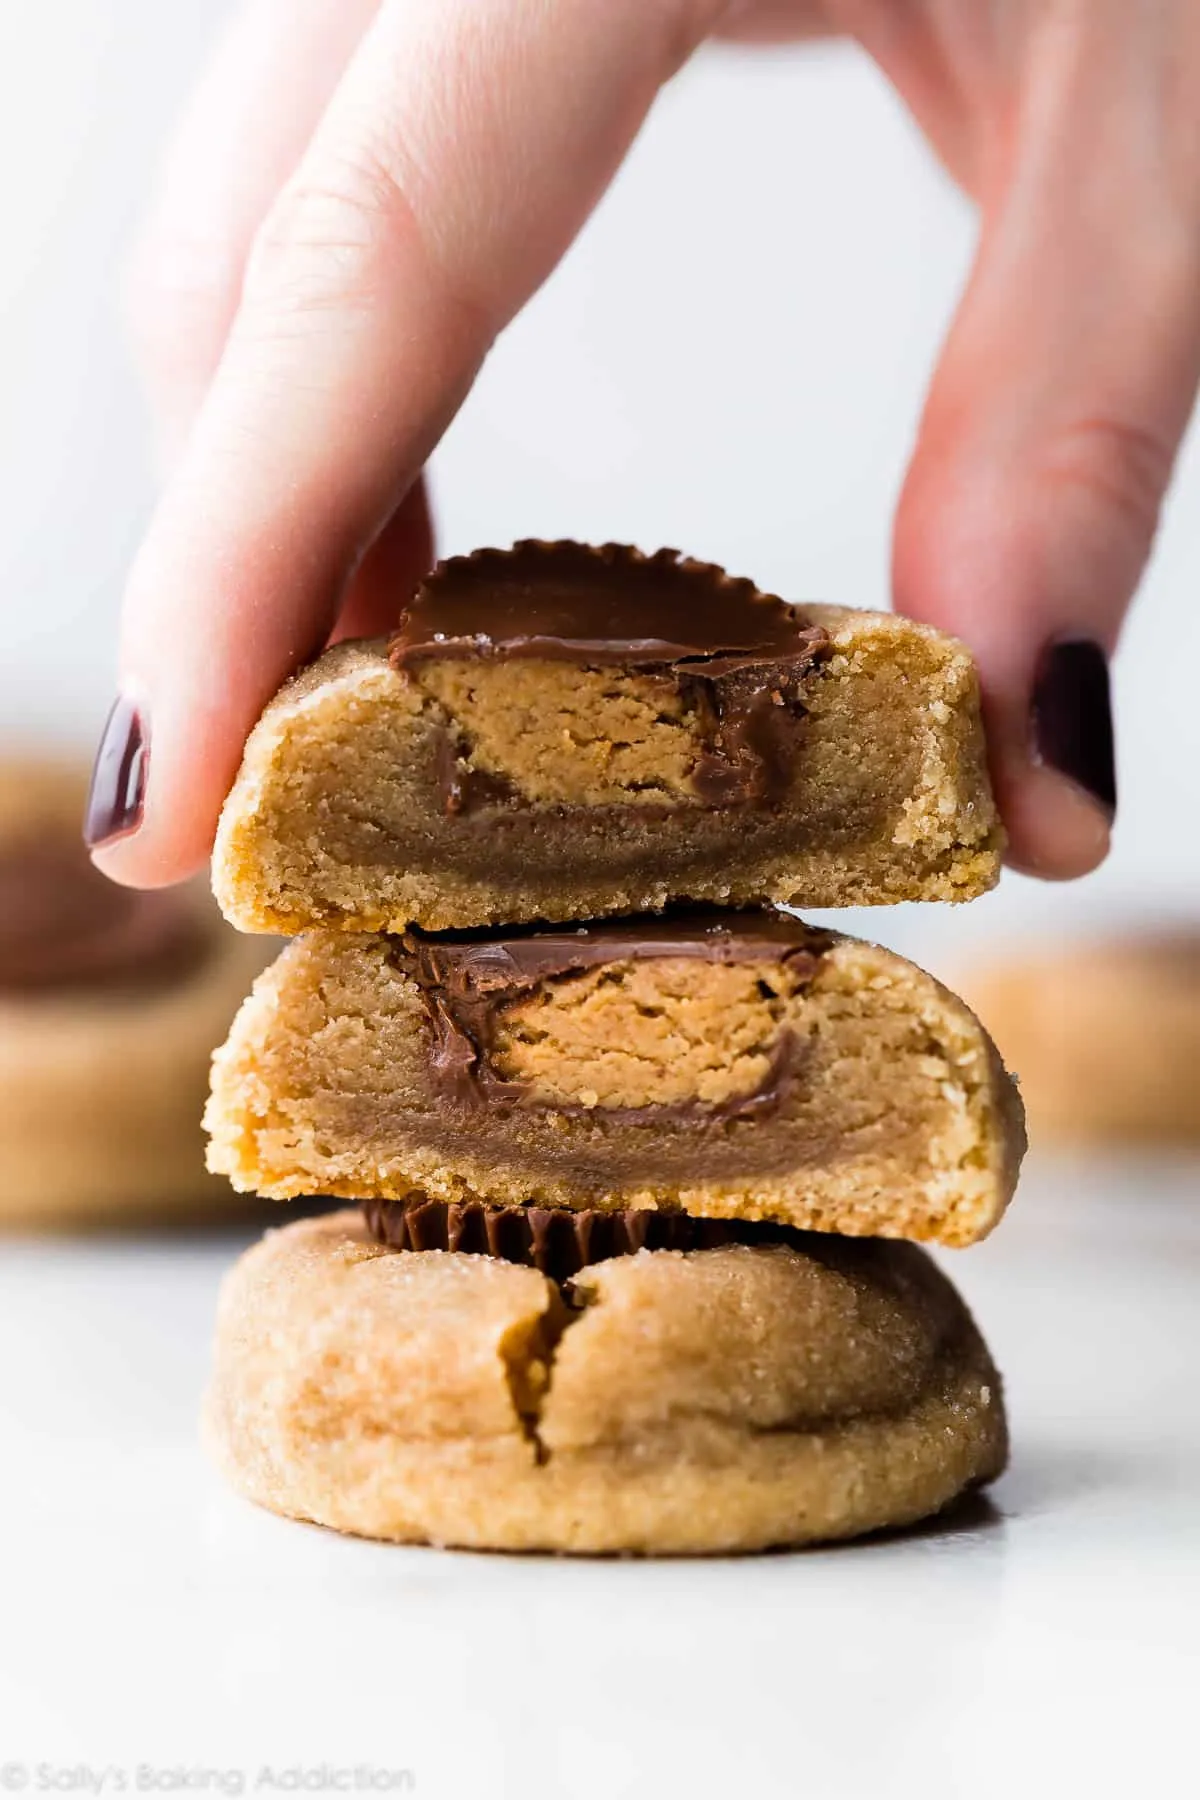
<point x="400" y="555"/>
<point x="460" y="154"/>
<point x="244" y="130"/>
<point x="1053" y="420"/>
<point x="775" y="21"/>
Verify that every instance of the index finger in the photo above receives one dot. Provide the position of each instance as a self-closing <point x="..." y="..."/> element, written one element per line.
<point x="461" y="152"/>
<point x="245" y="128"/>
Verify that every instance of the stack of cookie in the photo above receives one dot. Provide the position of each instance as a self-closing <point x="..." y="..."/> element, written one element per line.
<point x="629" y="1143"/>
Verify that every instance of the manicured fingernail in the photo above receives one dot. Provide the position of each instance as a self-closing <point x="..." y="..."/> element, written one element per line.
<point x="117" y="793"/>
<point x="1072" y="718"/>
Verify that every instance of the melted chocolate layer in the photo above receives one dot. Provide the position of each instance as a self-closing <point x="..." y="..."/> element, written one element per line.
<point x="555" y="1240"/>
<point x="64" y="925"/>
<point x="740" y="657"/>
<point x="467" y="979"/>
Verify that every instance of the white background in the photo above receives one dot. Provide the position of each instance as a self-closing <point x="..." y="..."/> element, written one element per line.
<point x="731" y="361"/>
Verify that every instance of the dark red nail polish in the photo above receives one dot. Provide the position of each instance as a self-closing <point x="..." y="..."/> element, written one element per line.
<point x="117" y="793"/>
<point x="1072" y="718"/>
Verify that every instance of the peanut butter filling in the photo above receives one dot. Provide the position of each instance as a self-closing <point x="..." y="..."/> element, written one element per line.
<point x="562" y="735"/>
<point x="650" y="1034"/>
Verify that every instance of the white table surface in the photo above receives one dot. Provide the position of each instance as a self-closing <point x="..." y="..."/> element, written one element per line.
<point x="158" y="1635"/>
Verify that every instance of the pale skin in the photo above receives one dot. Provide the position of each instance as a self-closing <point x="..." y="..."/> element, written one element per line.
<point x="364" y="192"/>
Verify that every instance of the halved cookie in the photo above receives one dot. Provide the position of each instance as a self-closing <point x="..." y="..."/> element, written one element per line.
<point x="728" y="1065"/>
<point x="667" y="1402"/>
<point x="558" y="732"/>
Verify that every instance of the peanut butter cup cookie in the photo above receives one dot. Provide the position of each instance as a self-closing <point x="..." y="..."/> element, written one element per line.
<point x="737" y="1065"/>
<point x="560" y="732"/>
<point x="1104" y="1034"/>
<point x="670" y="1401"/>
<point x="110" y="1004"/>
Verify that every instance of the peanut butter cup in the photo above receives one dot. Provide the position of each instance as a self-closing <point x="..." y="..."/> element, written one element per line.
<point x="472" y="984"/>
<point x="555" y="1240"/>
<point x="738" y="659"/>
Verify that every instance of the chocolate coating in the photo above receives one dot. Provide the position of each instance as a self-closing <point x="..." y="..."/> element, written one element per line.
<point x="467" y="979"/>
<point x="63" y="925"/>
<point x="741" y="657"/>
<point x="609" y="604"/>
<point x="555" y="1240"/>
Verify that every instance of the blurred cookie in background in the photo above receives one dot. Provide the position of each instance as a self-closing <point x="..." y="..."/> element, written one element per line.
<point x="1103" y="1035"/>
<point x="111" y="1002"/>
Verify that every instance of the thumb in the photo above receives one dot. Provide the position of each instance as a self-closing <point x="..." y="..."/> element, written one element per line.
<point x="1049" y="435"/>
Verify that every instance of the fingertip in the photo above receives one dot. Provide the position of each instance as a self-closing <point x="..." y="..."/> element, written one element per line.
<point x="137" y="865"/>
<point x="158" y="784"/>
<point x="163" y="847"/>
<point x="1024" y="585"/>
<point x="1056" y="830"/>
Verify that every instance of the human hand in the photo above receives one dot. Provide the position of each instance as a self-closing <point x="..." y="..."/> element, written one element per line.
<point x="364" y="193"/>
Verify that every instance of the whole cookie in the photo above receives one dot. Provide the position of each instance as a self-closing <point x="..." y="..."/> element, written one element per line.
<point x="1103" y="1036"/>
<point x="111" y="1003"/>
<point x="671" y="1402"/>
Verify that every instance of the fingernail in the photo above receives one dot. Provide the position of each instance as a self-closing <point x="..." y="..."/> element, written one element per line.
<point x="1072" y="718"/>
<point x="116" y="797"/>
